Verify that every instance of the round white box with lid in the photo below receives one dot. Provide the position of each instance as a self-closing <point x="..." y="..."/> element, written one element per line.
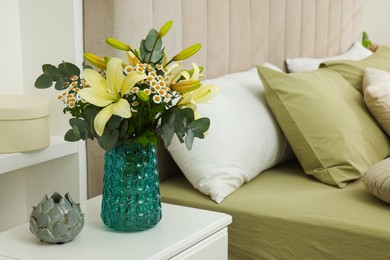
<point x="24" y="123"/>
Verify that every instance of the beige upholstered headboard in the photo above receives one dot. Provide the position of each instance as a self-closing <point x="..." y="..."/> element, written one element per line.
<point x="235" y="36"/>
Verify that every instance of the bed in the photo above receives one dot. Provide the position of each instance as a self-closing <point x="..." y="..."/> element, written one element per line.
<point x="281" y="213"/>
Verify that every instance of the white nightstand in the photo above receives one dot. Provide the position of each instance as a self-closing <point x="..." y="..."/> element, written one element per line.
<point x="183" y="233"/>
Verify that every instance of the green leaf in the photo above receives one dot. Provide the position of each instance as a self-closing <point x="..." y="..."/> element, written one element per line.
<point x="80" y="128"/>
<point x="167" y="127"/>
<point x="73" y="134"/>
<point x="142" y="139"/>
<point x="84" y="134"/>
<point x="50" y="71"/>
<point x="151" y="39"/>
<point x="123" y="128"/>
<point x="143" y="51"/>
<point x="60" y="84"/>
<point x="43" y="81"/>
<point x="153" y="139"/>
<point x="182" y="118"/>
<point x="167" y="134"/>
<point x="80" y="123"/>
<point x="70" y="136"/>
<point x="147" y="137"/>
<point x="68" y="69"/>
<point x="158" y="45"/>
<point x="76" y="131"/>
<point x="109" y="139"/>
<point x="199" y="127"/>
<point x="114" y="122"/>
<point x="181" y="122"/>
<point x="189" y="139"/>
<point x="157" y="56"/>
<point x="90" y="114"/>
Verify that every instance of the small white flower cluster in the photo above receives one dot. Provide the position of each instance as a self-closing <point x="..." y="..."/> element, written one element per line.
<point x="70" y="95"/>
<point x="158" y="81"/>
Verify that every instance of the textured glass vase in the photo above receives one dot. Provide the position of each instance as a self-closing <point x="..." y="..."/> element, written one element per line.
<point x="131" y="189"/>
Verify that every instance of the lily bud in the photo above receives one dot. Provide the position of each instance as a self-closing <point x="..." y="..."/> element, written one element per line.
<point x="143" y="96"/>
<point x="188" y="52"/>
<point x="117" y="44"/>
<point x="165" y="29"/>
<point x="95" y="60"/>
<point x="186" y="86"/>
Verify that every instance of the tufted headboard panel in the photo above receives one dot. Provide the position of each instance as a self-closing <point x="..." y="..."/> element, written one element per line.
<point x="235" y="36"/>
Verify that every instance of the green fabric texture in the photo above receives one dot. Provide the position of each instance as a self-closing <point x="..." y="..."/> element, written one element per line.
<point x="326" y="123"/>
<point x="353" y="71"/>
<point x="285" y="214"/>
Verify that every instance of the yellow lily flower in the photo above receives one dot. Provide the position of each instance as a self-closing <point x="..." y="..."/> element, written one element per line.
<point x="198" y="96"/>
<point x="133" y="60"/>
<point x="205" y="93"/>
<point x="179" y="71"/>
<point x="196" y="74"/>
<point x="165" y="59"/>
<point x="187" y="101"/>
<point x="109" y="92"/>
<point x="175" y="70"/>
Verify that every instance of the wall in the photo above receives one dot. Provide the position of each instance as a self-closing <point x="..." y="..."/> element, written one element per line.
<point x="34" y="33"/>
<point x="376" y="20"/>
<point x="47" y="37"/>
<point x="11" y="69"/>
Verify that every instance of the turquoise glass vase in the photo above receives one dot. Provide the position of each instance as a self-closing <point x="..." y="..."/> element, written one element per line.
<point x="131" y="189"/>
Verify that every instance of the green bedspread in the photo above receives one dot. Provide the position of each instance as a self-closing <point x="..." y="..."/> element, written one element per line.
<point x="284" y="214"/>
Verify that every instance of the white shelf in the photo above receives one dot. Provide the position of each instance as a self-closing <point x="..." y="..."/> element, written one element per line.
<point x="58" y="148"/>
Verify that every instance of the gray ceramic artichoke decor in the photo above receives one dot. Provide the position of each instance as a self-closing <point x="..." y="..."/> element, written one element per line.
<point x="56" y="219"/>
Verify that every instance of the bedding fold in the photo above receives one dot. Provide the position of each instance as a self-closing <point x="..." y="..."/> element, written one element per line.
<point x="284" y="214"/>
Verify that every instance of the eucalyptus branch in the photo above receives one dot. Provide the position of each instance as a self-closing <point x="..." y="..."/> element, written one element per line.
<point x="154" y="46"/>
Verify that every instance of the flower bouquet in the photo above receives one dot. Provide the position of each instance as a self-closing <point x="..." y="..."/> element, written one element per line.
<point x="137" y="99"/>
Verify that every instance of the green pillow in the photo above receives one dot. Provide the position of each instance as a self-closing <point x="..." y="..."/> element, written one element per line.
<point x="353" y="71"/>
<point x="326" y="123"/>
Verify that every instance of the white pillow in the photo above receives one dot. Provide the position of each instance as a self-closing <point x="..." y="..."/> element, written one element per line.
<point x="243" y="139"/>
<point x="376" y="91"/>
<point x="356" y="52"/>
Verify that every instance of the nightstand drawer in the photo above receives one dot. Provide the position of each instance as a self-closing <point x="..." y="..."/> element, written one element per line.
<point x="213" y="247"/>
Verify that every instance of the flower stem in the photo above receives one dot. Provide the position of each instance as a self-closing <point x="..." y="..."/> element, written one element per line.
<point x="154" y="46"/>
